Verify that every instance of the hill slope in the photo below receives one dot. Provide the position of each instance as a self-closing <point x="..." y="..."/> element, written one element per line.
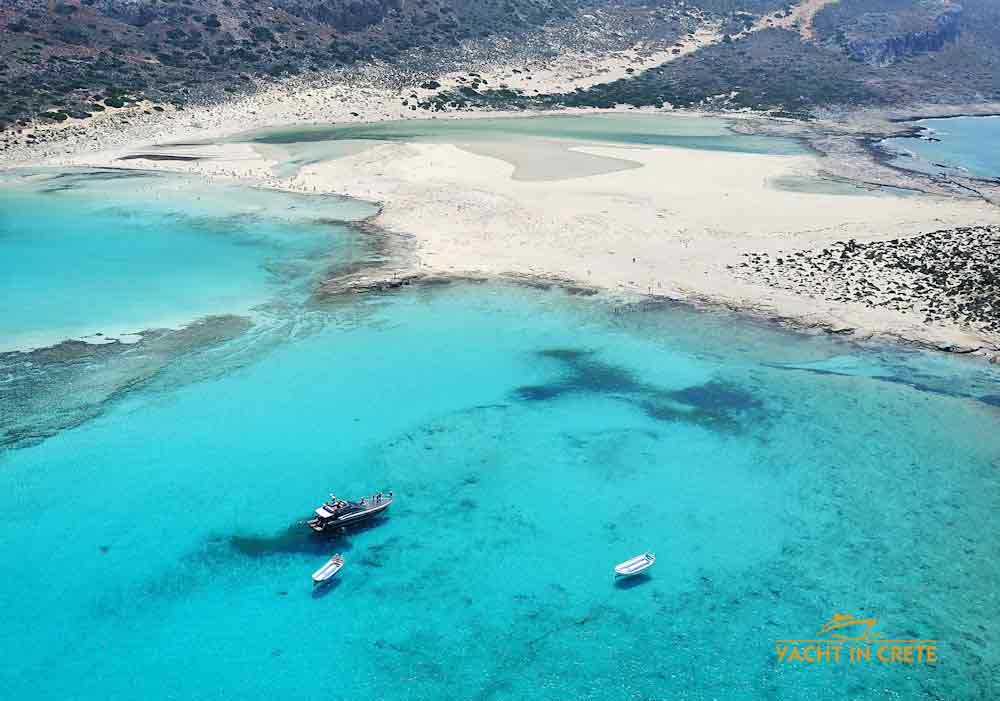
<point x="65" y="59"/>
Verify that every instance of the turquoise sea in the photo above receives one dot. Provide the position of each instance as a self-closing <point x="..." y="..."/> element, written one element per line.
<point x="967" y="145"/>
<point x="154" y="491"/>
<point x="160" y="252"/>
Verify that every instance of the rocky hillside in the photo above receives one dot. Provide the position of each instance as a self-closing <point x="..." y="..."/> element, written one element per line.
<point x="873" y="53"/>
<point x="66" y="59"/>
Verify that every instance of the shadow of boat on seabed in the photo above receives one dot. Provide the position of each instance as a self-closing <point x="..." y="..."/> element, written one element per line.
<point x="320" y="592"/>
<point x="297" y="539"/>
<point x="632" y="582"/>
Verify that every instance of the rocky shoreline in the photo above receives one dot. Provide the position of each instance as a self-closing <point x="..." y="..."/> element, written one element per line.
<point x="950" y="276"/>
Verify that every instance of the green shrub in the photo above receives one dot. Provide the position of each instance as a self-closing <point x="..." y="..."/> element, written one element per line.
<point x="261" y="34"/>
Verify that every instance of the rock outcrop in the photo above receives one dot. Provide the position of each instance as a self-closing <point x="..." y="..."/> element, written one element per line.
<point x="949" y="276"/>
<point x="881" y="38"/>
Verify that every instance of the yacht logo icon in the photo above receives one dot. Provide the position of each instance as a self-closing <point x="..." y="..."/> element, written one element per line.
<point x="846" y="638"/>
<point x="844" y="626"/>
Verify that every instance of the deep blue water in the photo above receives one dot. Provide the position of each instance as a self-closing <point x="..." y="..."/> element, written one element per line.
<point x="534" y="438"/>
<point x="970" y="145"/>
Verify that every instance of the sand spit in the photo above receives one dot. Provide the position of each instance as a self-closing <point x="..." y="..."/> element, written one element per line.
<point x="676" y="227"/>
<point x="679" y="225"/>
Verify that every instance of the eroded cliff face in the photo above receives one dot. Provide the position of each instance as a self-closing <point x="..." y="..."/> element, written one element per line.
<point x="883" y="51"/>
<point x="882" y="32"/>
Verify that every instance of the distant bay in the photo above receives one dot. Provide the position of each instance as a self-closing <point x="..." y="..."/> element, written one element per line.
<point x="964" y="145"/>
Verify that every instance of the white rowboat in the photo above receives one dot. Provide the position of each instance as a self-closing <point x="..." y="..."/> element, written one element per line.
<point x="639" y="563"/>
<point x="325" y="573"/>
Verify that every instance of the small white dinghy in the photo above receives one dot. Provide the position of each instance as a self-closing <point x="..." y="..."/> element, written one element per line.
<point x="325" y="573"/>
<point x="639" y="563"/>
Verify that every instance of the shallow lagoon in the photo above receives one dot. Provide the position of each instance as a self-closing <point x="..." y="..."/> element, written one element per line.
<point x="547" y="148"/>
<point x="639" y="129"/>
<point x="539" y="148"/>
<point x="534" y="438"/>
<point x="95" y="254"/>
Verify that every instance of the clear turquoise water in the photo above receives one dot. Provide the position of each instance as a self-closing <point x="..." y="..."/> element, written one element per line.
<point x="76" y="264"/>
<point x="534" y="438"/>
<point x="971" y="144"/>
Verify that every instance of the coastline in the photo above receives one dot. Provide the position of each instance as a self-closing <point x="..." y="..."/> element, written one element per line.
<point x="670" y="228"/>
<point x="584" y="231"/>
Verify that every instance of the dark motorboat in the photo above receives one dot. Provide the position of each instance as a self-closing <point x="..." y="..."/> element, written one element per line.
<point x="339" y="513"/>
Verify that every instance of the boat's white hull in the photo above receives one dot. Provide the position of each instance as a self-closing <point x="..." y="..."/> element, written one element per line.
<point x="637" y="565"/>
<point x="327" y="572"/>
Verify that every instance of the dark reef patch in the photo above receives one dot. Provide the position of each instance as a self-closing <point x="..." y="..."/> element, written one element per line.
<point x="567" y="354"/>
<point x="158" y="157"/>
<point x="579" y="291"/>
<point x="717" y="396"/>
<point x="73" y="179"/>
<point x="540" y="393"/>
<point x="583" y="374"/>
<point x="911" y="382"/>
<point x="36" y="406"/>
<point x="467" y="505"/>
<point x="714" y="404"/>
<point x="370" y="562"/>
